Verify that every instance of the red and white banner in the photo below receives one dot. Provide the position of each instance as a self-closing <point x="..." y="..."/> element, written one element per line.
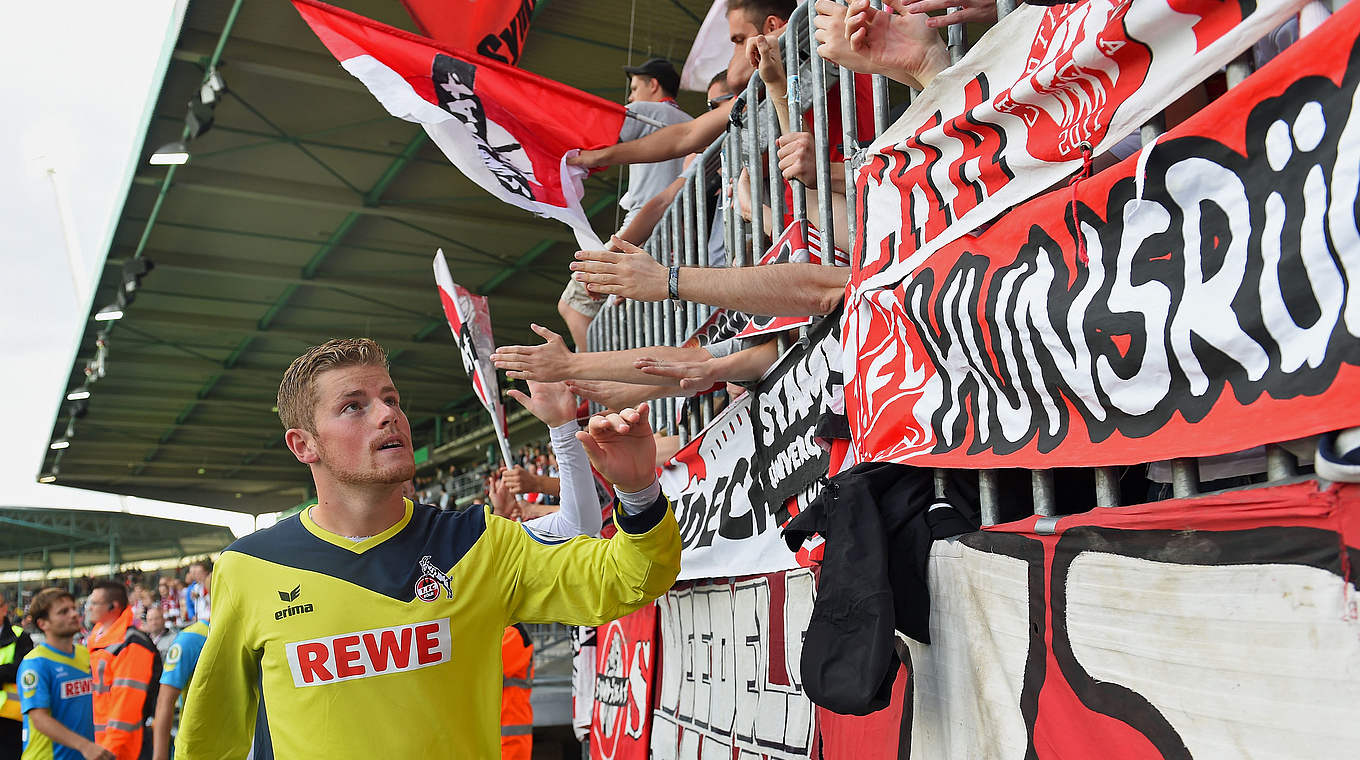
<point x="730" y="684"/>
<point x="756" y="465"/>
<point x="1224" y="626"/>
<point x="501" y="126"/>
<point x="469" y="317"/>
<point x="1205" y="307"/>
<point x="625" y="678"/>
<point x="1009" y="120"/>
<point x="495" y="29"/>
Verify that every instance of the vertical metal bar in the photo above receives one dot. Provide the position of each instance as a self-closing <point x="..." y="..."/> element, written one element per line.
<point x="941" y="482"/>
<point x="697" y="239"/>
<point x="70" y="573"/>
<point x="736" y="225"/>
<point x="1107" y="487"/>
<point x="1184" y="477"/>
<point x="753" y="168"/>
<point x="1003" y="8"/>
<point x="850" y="148"/>
<point x="821" y="138"/>
<point x="1239" y="69"/>
<point x="1279" y="463"/>
<point x="792" y="65"/>
<point x="880" y="88"/>
<point x="958" y="41"/>
<point x="776" y="177"/>
<point x="1041" y="482"/>
<point x="1154" y="128"/>
<point x="987" y="497"/>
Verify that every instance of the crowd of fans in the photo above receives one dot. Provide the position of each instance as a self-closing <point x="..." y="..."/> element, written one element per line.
<point x="163" y="602"/>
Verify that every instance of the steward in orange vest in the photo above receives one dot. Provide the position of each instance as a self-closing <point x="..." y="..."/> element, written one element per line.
<point x="517" y="715"/>
<point x="126" y="669"/>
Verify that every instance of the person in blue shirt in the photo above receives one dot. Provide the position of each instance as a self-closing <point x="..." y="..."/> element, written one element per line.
<point x="180" y="662"/>
<point x="55" y="687"/>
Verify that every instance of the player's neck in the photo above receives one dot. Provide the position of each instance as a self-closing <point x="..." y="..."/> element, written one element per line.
<point x="358" y="510"/>
<point x="60" y="643"/>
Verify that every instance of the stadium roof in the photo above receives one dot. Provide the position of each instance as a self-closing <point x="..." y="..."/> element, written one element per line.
<point x="305" y="213"/>
<point x="57" y="539"/>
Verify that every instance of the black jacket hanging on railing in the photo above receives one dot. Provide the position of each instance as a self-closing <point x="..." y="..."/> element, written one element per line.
<point x="878" y="520"/>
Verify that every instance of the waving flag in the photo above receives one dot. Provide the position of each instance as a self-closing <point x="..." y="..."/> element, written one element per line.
<point x="504" y="128"/>
<point x="470" y="320"/>
<point x="494" y="28"/>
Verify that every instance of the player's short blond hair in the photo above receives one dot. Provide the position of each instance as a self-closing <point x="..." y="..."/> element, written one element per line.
<point x="297" y="392"/>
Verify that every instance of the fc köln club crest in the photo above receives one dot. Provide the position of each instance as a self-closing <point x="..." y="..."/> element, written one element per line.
<point x="431" y="580"/>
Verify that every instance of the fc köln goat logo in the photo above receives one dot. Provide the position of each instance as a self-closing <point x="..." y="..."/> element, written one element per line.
<point x="431" y="580"/>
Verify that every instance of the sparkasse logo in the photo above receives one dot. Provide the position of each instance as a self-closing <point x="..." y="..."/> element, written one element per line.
<point x="292" y="609"/>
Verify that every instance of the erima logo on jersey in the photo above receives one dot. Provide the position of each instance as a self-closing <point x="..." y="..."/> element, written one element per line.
<point x="292" y="609"/>
<point x="77" y="688"/>
<point x="363" y="654"/>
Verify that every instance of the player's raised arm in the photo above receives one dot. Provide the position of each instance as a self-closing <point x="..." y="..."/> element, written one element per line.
<point x="591" y="581"/>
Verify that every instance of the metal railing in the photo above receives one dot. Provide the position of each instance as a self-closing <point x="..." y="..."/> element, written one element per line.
<point x="749" y="146"/>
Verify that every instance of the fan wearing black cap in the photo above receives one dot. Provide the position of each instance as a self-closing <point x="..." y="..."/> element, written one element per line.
<point x="652" y="88"/>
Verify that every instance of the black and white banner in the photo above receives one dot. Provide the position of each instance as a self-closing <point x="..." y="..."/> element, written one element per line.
<point x="730" y="684"/>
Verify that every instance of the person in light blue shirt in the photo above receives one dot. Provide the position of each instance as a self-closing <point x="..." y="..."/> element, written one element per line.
<point x="180" y="663"/>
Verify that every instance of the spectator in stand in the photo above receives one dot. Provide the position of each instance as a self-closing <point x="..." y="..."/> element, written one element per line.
<point x="199" y="590"/>
<point x="55" y="685"/>
<point x="15" y="644"/>
<point x="127" y="666"/>
<point x="652" y="88"/>
<point x="896" y="44"/>
<point x="645" y="220"/>
<point x="161" y="634"/>
<point x="172" y="603"/>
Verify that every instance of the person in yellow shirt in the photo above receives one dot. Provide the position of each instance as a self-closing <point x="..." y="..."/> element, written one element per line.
<point x="371" y="625"/>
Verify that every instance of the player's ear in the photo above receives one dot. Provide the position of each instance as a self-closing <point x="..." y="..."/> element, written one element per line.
<point x="303" y="445"/>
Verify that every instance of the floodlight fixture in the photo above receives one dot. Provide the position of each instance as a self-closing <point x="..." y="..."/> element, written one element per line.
<point x="79" y="394"/>
<point x="60" y="443"/>
<point x="171" y="153"/>
<point x="133" y="272"/>
<point x="213" y="87"/>
<point x="109" y="313"/>
<point x="47" y="477"/>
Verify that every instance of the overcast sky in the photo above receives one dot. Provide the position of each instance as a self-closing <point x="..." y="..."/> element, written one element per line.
<point x="79" y="80"/>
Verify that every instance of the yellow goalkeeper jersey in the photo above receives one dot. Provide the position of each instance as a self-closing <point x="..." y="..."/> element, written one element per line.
<point x="390" y="647"/>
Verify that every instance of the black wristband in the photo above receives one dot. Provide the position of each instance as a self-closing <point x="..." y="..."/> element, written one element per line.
<point x="673" y="284"/>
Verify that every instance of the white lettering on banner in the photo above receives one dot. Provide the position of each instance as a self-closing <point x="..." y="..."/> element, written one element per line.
<point x="1229" y="275"/>
<point x="1010" y="119"/>
<point x="375" y="652"/>
<point x="730" y="679"/>
<point x="77" y="688"/>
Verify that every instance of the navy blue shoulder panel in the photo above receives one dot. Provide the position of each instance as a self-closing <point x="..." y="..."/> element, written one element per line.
<point x="390" y="568"/>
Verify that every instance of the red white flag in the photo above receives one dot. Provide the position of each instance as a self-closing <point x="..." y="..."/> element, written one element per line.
<point x="494" y="28"/>
<point x="506" y="129"/>
<point x="469" y="318"/>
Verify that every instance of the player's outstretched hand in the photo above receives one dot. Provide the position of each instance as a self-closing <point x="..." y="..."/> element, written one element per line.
<point x="621" y="447"/>
<point x="547" y="362"/>
<point x="552" y="403"/>
<point x="629" y="273"/>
